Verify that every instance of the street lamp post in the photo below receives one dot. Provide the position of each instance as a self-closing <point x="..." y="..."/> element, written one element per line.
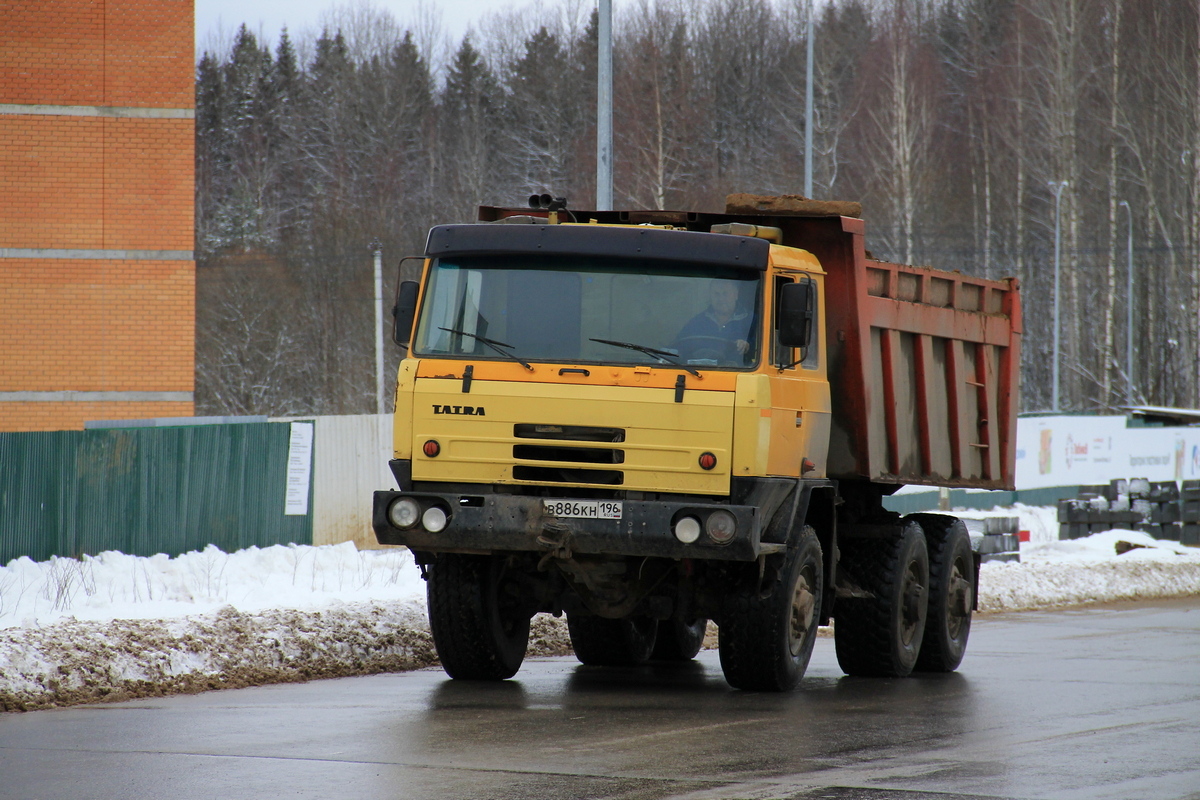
<point x="604" y="109"/>
<point x="1056" y="187"/>
<point x="1129" y="306"/>
<point x="808" y="106"/>
<point x="377" y="247"/>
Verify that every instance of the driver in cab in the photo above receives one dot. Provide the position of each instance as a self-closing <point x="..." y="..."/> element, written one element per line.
<point x="721" y="333"/>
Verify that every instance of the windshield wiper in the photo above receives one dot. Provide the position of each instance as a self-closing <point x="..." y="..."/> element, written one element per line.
<point x="492" y="343"/>
<point x="650" y="351"/>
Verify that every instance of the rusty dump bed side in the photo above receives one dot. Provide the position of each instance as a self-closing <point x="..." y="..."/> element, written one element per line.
<point x="924" y="372"/>
<point x="923" y="363"/>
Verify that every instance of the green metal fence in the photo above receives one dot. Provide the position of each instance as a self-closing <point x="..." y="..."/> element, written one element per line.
<point x="146" y="490"/>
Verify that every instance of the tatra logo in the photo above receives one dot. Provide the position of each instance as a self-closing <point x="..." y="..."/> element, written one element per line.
<point x="470" y="411"/>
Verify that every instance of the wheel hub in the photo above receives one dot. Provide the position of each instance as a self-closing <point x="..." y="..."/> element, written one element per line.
<point x="804" y="605"/>
<point x="960" y="601"/>
<point x="910" y="606"/>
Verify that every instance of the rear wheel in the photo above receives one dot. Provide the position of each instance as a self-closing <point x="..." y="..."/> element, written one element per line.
<point x="767" y="636"/>
<point x="881" y="635"/>
<point x="479" y="629"/>
<point x="951" y="593"/>
<point x="602" y="642"/>
<point x="678" y="641"/>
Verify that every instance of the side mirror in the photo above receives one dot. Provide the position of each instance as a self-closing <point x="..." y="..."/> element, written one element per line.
<point x="796" y="313"/>
<point x="405" y="311"/>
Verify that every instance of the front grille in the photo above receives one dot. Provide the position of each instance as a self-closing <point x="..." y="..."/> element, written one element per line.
<point x="569" y="455"/>
<point x="571" y="433"/>
<point x="579" y="455"/>
<point x="604" y="477"/>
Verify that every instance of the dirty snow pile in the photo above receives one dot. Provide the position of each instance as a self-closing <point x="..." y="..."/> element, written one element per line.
<point x="115" y="626"/>
<point x="1104" y="567"/>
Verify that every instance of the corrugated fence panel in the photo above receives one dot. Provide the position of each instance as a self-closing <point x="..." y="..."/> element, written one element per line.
<point x="31" y="491"/>
<point x="351" y="463"/>
<point x="146" y="490"/>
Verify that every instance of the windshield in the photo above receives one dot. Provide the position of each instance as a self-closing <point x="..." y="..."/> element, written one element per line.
<point x="591" y="310"/>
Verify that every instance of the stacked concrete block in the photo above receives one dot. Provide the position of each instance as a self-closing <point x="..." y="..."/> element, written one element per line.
<point x="1189" y="513"/>
<point x="1160" y="509"/>
<point x="1102" y="508"/>
<point x="995" y="538"/>
<point x="1163" y="520"/>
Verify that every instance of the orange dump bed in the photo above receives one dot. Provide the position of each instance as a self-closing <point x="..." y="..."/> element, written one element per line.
<point x="924" y="365"/>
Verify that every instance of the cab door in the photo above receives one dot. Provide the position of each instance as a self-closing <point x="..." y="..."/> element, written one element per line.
<point x="799" y="390"/>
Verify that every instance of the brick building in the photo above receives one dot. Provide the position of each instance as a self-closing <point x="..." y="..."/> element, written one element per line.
<point x="97" y="277"/>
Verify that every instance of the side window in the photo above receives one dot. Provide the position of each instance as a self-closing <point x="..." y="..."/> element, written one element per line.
<point x="780" y="356"/>
<point x="787" y="357"/>
<point x="811" y="357"/>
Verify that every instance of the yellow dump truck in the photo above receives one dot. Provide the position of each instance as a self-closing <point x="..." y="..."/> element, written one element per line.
<point x="647" y="420"/>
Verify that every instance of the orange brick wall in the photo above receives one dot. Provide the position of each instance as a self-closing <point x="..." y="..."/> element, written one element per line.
<point x="71" y="416"/>
<point x="120" y="325"/>
<point x="96" y="182"/>
<point x="111" y="172"/>
<point x="130" y="53"/>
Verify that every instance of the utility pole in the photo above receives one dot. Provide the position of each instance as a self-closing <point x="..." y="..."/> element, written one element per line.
<point x="377" y="247"/>
<point x="1056" y="187"/>
<point x="1129" y="306"/>
<point x="808" y="108"/>
<point x="604" y="136"/>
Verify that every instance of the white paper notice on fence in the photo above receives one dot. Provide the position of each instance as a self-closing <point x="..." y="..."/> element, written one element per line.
<point x="299" y="469"/>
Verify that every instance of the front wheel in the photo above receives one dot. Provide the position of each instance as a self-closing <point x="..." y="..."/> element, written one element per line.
<point x="479" y="630"/>
<point x="767" y="637"/>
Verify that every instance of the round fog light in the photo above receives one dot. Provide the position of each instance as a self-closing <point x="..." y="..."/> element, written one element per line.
<point x="687" y="530"/>
<point x="404" y="513"/>
<point x="434" y="519"/>
<point x="720" y="526"/>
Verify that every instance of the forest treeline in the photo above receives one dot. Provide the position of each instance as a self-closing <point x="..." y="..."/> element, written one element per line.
<point x="966" y="128"/>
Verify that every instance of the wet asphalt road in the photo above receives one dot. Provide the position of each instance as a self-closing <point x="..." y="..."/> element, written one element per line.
<point x="1096" y="703"/>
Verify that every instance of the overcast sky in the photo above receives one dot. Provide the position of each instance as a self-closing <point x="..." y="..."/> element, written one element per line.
<point x="269" y="16"/>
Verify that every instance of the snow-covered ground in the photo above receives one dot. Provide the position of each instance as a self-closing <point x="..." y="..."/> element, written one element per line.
<point x="117" y="626"/>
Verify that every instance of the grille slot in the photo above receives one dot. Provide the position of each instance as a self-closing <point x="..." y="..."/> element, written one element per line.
<point x="607" y="477"/>
<point x="578" y="455"/>
<point x="571" y="433"/>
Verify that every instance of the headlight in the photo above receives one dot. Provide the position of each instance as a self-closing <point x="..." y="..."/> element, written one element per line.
<point x="434" y="519"/>
<point x="687" y="530"/>
<point x="404" y="513"/>
<point x="720" y="526"/>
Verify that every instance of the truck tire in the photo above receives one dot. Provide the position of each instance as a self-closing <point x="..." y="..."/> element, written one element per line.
<point x="477" y="634"/>
<point x="767" y="637"/>
<point x="951" y="593"/>
<point x="881" y="635"/>
<point x="602" y="642"/>
<point x="677" y="641"/>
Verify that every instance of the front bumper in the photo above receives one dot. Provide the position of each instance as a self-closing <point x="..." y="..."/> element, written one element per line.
<point x="492" y="522"/>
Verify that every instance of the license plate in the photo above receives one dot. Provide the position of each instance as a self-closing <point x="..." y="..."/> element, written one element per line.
<point x="583" y="509"/>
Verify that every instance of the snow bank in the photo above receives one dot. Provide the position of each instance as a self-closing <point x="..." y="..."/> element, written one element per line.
<point x="1102" y="568"/>
<point x="117" y="586"/>
<point x="118" y="626"/>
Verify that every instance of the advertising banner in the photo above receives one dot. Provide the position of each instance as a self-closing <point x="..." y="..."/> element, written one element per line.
<point x="1081" y="451"/>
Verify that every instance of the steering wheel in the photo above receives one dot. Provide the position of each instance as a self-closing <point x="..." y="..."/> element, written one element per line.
<point x="716" y="348"/>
